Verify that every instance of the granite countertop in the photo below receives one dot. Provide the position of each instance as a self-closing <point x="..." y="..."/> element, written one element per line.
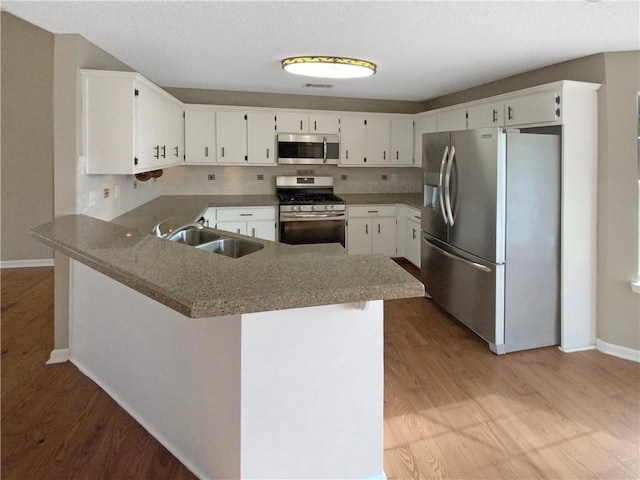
<point x="410" y="199"/>
<point x="203" y="284"/>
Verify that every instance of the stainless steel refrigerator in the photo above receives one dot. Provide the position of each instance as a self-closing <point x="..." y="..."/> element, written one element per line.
<point x="491" y="233"/>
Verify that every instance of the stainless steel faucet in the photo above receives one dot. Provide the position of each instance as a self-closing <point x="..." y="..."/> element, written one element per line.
<point x="157" y="231"/>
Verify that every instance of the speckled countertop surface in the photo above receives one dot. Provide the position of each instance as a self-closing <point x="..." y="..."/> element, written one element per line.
<point x="410" y="199"/>
<point x="202" y="284"/>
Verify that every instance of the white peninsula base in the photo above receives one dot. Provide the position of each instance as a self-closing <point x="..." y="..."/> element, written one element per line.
<point x="284" y="394"/>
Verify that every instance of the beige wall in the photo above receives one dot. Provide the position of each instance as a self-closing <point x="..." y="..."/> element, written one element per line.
<point x="618" y="309"/>
<point x="27" y="137"/>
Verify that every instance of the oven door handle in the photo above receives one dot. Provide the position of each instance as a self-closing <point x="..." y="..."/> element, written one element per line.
<point x="311" y="216"/>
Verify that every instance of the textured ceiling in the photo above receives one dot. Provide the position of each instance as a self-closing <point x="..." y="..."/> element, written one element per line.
<point x="423" y="49"/>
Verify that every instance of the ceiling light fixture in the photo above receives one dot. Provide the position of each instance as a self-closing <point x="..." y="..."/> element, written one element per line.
<point x="329" y="67"/>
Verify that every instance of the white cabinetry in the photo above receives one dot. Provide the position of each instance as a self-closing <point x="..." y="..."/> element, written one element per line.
<point x="261" y="138"/>
<point x="411" y="235"/>
<point x="422" y="125"/>
<point x="452" y="120"/>
<point x="539" y="107"/>
<point x="129" y="125"/>
<point x="259" y="222"/>
<point x="371" y="229"/>
<point x="401" y="141"/>
<point x="364" y="140"/>
<point x="231" y="137"/>
<point x="485" y="115"/>
<point x="294" y="122"/>
<point x="200" y="136"/>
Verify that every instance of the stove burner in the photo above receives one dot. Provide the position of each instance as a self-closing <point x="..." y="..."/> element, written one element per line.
<point x="307" y="198"/>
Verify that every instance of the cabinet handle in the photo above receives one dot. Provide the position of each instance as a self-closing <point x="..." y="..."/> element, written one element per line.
<point x="253" y="231"/>
<point x="164" y="151"/>
<point x="246" y="214"/>
<point x="373" y="211"/>
<point x="267" y="153"/>
<point x="495" y="116"/>
<point x="315" y="125"/>
<point x="176" y="149"/>
<point x="347" y="154"/>
<point x="384" y="155"/>
<point x="223" y="157"/>
<point x="510" y="113"/>
<point x="206" y="151"/>
<point x="237" y="230"/>
<point x="397" y="155"/>
<point x="414" y="233"/>
<point x="157" y="149"/>
<point x="366" y="229"/>
<point x="300" y="124"/>
<point x="378" y="229"/>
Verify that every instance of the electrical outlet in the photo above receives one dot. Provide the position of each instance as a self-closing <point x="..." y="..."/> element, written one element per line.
<point x="135" y="184"/>
<point x="343" y="177"/>
<point x="260" y="177"/>
<point x="92" y="199"/>
<point x="106" y="193"/>
<point x="116" y="191"/>
<point x="384" y="177"/>
<point x="211" y="176"/>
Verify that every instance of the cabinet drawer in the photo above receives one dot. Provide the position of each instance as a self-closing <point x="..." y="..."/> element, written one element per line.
<point x="247" y="214"/>
<point x="412" y="214"/>
<point x="372" y="211"/>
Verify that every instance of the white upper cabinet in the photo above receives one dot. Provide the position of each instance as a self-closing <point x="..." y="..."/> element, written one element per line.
<point x="452" y="120"/>
<point x="378" y="136"/>
<point x="324" y="123"/>
<point x="352" y="140"/>
<point x="422" y="125"/>
<point x="542" y="107"/>
<point x="261" y="138"/>
<point x="485" y="115"/>
<point x="365" y="140"/>
<point x="200" y="136"/>
<point x="401" y="141"/>
<point x="128" y="124"/>
<point x="294" y="122"/>
<point x="231" y="137"/>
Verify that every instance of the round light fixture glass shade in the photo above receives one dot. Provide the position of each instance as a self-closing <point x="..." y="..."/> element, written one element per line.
<point x="329" y="67"/>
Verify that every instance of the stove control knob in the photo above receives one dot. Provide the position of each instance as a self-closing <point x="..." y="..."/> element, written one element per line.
<point x="313" y="207"/>
<point x="326" y="207"/>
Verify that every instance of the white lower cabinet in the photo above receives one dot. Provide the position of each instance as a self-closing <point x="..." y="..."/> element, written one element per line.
<point x="258" y="222"/>
<point x="412" y="229"/>
<point x="372" y="229"/>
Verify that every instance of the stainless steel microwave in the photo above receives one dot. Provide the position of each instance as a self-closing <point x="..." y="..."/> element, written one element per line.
<point x="300" y="149"/>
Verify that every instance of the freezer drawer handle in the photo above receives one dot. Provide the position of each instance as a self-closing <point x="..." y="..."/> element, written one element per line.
<point x="455" y="257"/>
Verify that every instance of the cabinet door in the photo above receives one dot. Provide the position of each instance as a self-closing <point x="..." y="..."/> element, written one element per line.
<point x="170" y="132"/>
<point x="231" y="137"/>
<point x="265" y="229"/>
<point x="384" y="236"/>
<point x="412" y="242"/>
<point x="200" y="136"/>
<point x="177" y="133"/>
<point x="378" y="141"/>
<point x="543" y="107"/>
<point x="147" y="146"/>
<point x="233" y="227"/>
<point x="420" y="127"/>
<point x="401" y="141"/>
<point x="292" y="122"/>
<point x="452" y="120"/>
<point x="359" y="236"/>
<point x="485" y="115"/>
<point x="324" y="123"/>
<point x="261" y="138"/>
<point x="352" y="140"/>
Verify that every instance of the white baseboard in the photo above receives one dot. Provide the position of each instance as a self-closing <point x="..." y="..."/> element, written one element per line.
<point x="59" y="355"/>
<point x="618" y="351"/>
<point x="42" y="262"/>
<point x="577" y="349"/>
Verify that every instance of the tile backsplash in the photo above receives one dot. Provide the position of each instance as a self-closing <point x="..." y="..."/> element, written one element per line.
<point x="229" y="180"/>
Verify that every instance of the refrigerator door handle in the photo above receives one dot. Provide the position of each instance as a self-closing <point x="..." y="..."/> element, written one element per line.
<point x="441" y="186"/>
<point x="447" y="186"/>
<point x="455" y="257"/>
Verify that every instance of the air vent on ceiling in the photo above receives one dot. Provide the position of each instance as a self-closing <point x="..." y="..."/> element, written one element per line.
<point x="317" y="85"/>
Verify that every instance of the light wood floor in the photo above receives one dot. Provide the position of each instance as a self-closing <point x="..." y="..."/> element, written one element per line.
<point x="453" y="410"/>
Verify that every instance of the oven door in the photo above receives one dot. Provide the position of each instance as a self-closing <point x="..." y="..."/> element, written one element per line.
<point x="306" y="228"/>
<point x="296" y="149"/>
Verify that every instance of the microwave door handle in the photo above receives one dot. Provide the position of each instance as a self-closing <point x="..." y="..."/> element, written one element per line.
<point x="324" y="149"/>
<point x="447" y="189"/>
<point x="441" y="185"/>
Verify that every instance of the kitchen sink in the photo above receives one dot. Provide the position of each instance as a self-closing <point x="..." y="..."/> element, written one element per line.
<point x="231" y="247"/>
<point x="194" y="236"/>
<point x="211" y="241"/>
